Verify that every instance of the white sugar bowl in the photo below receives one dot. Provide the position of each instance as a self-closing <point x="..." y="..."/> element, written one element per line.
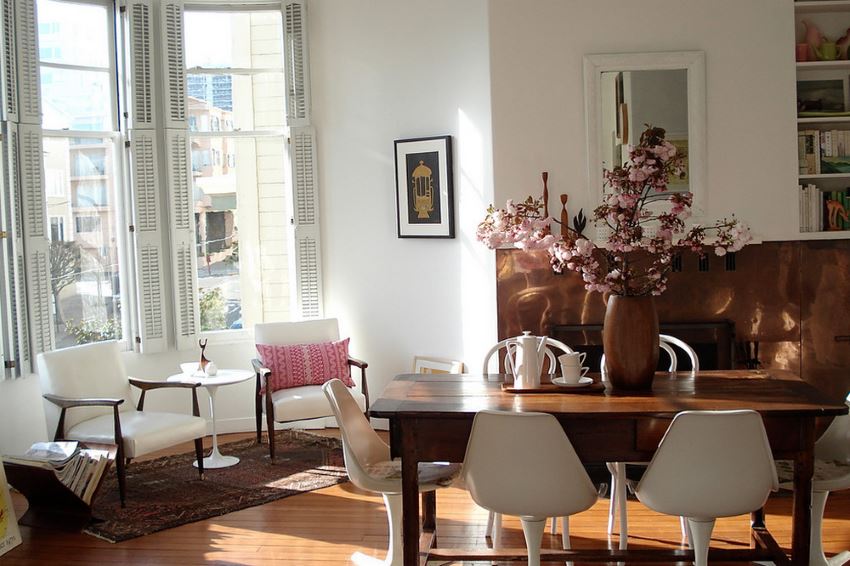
<point x="211" y="369"/>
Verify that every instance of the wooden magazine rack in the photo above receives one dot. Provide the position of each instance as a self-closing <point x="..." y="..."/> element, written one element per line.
<point x="51" y="503"/>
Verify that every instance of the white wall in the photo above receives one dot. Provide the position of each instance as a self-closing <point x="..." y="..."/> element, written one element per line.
<point x="384" y="70"/>
<point x="538" y="96"/>
<point x="391" y="69"/>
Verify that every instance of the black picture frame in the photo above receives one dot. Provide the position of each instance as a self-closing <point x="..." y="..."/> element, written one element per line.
<point x="424" y="187"/>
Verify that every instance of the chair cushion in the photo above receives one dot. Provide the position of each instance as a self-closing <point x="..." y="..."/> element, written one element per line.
<point x="430" y="473"/>
<point x="307" y="402"/>
<point x="296" y="365"/>
<point x="828" y="476"/>
<point x="143" y="431"/>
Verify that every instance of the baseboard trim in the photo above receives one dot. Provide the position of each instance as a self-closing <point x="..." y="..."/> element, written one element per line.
<point x="248" y="424"/>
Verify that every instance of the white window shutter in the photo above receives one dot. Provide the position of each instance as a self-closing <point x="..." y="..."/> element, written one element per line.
<point x="29" y="89"/>
<point x="148" y="231"/>
<point x="8" y="311"/>
<point x="140" y="21"/>
<point x="173" y="64"/>
<point x="19" y="324"/>
<point x="307" y="265"/>
<point x="36" y="244"/>
<point x="9" y="62"/>
<point x="296" y="63"/>
<point x="183" y="260"/>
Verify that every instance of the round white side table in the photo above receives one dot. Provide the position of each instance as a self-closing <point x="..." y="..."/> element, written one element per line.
<point x="211" y="383"/>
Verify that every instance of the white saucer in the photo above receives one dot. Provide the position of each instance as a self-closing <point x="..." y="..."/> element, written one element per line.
<point x="582" y="382"/>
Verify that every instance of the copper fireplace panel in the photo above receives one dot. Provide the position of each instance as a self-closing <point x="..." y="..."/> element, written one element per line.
<point x="826" y="315"/>
<point x="773" y="288"/>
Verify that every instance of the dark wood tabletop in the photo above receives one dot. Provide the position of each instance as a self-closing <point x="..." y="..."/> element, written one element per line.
<point x="768" y="392"/>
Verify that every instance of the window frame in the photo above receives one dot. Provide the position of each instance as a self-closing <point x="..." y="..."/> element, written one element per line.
<point x="117" y="136"/>
<point x="230" y="335"/>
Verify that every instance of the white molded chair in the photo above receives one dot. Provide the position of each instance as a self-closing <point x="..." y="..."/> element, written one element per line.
<point x="90" y="401"/>
<point x="494" y="520"/>
<point x="832" y="473"/>
<point x="618" y="469"/>
<point x="367" y="460"/>
<point x="709" y="464"/>
<point x="297" y="403"/>
<point x="507" y="473"/>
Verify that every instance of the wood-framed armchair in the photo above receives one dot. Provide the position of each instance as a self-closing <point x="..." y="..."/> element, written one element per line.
<point x="297" y="403"/>
<point x="91" y="380"/>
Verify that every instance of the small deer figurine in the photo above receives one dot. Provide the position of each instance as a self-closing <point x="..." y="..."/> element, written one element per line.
<point x="202" y="365"/>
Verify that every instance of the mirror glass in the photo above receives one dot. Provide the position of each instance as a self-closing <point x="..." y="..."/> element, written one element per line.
<point x="626" y="91"/>
<point x="631" y="100"/>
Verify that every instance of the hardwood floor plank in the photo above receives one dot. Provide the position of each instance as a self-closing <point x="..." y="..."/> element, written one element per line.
<point x="327" y="526"/>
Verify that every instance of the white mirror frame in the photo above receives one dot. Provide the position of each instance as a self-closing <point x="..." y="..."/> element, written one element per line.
<point x="694" y="63"/>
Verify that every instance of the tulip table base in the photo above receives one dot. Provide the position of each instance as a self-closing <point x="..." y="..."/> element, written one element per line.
<point x="224" y="377"/>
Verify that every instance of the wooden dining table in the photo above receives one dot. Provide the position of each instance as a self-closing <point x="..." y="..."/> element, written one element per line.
<point x="431" y="417"/>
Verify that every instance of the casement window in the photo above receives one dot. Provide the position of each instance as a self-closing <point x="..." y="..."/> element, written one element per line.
<point x="81" y="150"/>
<point x="191" y="208"/>
<point x="235" y="103"/>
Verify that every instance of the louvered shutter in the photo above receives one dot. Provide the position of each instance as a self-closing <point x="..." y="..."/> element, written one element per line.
<point x="15" y="266"/>
<point x="8" y="312"/>
<point x="29" y="89"/>
<point x="140" y="33"/>
<point x="296" y="63"/>
<point x="9" y="63"/>
<point x="148" y="232"/>
<point x="307" y="265"/>
<point x="35" y="235"/>
<point x="173" y="64"/>
<point x="183" y="260"/>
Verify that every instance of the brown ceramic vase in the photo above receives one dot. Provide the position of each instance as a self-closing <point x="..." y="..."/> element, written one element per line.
<point x="630" y="339"/>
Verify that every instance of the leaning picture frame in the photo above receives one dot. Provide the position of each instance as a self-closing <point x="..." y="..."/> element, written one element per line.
<point x="424" y="364"/>
<point x="424" y="187"/>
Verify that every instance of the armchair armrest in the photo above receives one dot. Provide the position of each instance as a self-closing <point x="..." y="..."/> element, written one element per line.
<point x="259" y="368"/>
<point x="146" y="386"/>
<point x="364" y="385"/>
<point x="66" y="403"/>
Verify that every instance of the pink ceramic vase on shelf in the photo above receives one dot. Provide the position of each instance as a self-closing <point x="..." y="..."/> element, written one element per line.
<point x="813" y="37"/>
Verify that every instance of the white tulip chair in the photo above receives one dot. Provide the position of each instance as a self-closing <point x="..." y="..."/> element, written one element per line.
<point x="709" y="464"/>
<point x="523" y="464"/>
<point x="368" y="463"/>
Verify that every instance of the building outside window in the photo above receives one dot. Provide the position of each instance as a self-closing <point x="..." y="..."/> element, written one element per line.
<point x="236" y="112"/>
<point x="79" y="106"/>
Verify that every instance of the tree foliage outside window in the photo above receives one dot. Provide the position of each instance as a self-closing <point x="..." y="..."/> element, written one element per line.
<point x="213" y="309"/>
<point x="65" y="265"/>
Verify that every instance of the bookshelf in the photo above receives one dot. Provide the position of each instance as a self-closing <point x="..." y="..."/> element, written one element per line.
<point x="823" y="124"/>
<point x="51" y="504"/>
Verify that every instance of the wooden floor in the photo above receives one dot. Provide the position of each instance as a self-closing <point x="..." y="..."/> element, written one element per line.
<point x="329" y="525"/>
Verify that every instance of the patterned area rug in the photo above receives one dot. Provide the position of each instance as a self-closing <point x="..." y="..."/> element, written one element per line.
<point x="167" y="492"/>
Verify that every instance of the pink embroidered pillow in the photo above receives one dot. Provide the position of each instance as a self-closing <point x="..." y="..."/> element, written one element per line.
<point x="294" y="365"/>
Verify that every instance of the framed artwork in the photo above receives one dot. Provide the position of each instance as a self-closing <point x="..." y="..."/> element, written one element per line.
<point x="422" y="364"/>
<point x="826" y="96"/>
<point x="424" y="191"/>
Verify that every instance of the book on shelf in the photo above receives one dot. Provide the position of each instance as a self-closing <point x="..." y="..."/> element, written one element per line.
<point x="808" y="152"/>
<point x="813" y="207"/>
<point x="54" y="452"/>
<point x="80" y="472"/>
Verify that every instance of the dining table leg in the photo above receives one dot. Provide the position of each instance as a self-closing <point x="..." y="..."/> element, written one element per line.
<point x="409" y="496"/>
<point x="802" y="508"/>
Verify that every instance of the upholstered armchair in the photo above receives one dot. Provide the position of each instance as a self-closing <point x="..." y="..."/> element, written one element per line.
<point x="89" y="399"/>
<point x="298" y="396"/>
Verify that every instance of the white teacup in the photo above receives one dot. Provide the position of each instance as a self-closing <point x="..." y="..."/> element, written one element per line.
<point x="574" y="359"/>
<point x="572" y="374"/>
